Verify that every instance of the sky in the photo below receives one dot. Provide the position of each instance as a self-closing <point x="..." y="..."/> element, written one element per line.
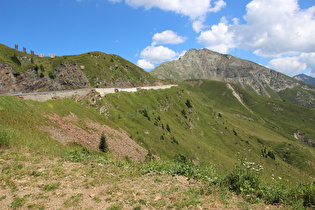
<point x="279" y="34"/>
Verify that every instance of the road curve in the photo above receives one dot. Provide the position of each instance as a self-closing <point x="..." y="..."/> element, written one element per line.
<point x="49" y="95"/>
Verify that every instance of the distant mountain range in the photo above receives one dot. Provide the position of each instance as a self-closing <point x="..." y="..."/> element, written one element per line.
<point x="305" y="78"/>
<point x="206" y="64"/>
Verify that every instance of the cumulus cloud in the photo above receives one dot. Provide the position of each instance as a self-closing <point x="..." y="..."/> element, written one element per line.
<point x="190" y="8"/>
<point x="145" y="64"/>
<point x="219" y="38"/>
<point x="273" y="28"/>
<point x="167" y="37"/>
<point x="194" y="9"/>
<point x="293" y="65"/>
<point x="198" y="24"/>
<point x="156" y="54"/>
<point x="288" y="65"/>
<point x="277" y="27"/>
<point x="218" y="5"/>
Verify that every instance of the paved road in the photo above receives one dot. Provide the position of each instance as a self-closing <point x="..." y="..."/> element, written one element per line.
<point x="44" y="96"/>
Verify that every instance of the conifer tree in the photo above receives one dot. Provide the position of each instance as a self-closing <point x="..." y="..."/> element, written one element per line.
<point x="103" y="144"/>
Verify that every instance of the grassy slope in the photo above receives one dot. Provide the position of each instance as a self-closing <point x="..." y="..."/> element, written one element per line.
<point x="212" y="129"/>
<point x="218" y="129"/>
<point x="100" y="68"/>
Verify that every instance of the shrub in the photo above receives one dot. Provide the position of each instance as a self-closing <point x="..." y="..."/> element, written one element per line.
<point x="103" y="144"/>
<point x="16" y="60"/>
<point x="42" y="68"/>
<point x="243" y="181"/>
<point x="306" y="193"/>
<point x="168" y="128"/>
<point x="274" y="194"/>
<point x="271" y="155"/>
<point x="52" y="75"/>
<point x="188" y="103"/>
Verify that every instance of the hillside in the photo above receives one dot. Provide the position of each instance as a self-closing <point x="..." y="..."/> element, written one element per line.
<point x="305" y="78"/>
<point x="205" y="140"/>
<point x="206" y="64"/>
<point x="22" y="72"/>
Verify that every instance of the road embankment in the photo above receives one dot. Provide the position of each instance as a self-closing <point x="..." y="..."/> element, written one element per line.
<point x="44" y="96"/>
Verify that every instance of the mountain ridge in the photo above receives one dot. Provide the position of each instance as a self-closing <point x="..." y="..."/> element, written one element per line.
<point x="207" y="64"/>
<point x="22" y="72"/>
<point x="305" y="78"/>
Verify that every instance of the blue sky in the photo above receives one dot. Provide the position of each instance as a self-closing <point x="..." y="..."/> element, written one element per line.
<point x="275" y="33"/>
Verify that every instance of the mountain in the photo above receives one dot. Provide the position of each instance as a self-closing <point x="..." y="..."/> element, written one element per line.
<point x="305" y="78"/>
<point x="206" y="64"/>
<point x="22" y="72"/>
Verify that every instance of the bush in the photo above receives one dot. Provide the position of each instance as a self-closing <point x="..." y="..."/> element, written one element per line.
<point x="274" y="194"/>
<point x="42" y="68"/>
<point x="52" y="75"/>
<point x="306" y="193"/>
<point x="16" y="60"/>
<point x="271" y="155"/>
<point x="243" y="181"/>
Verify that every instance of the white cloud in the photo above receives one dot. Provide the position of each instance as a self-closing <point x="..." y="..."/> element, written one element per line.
<point x="145" y="64"/>
<point x="295" y="64"/>
<point x="198" y="24"/>
<point x="277" y="27"/>
<point x="167" y="37"/>
<point x="196" y="10"/>
<point x="218" y="5"/>
<point x="157" y="54"/>
<point x="288" y="65"/>
<point x="219" y="38"/>
<point x="272" y="28"/>
<point x="190" y="8"/>
<point x="309" y="60"/>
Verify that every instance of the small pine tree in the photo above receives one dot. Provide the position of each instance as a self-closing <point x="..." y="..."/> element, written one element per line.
<point x="103" y="144"/>
<point x="168" y="128"/>
<point x="188" y="103"/>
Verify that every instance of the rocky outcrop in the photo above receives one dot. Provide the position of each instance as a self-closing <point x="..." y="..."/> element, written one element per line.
<point x="301" y="137"/>
<point x="65" y="76"/>
<point x="206" y="64"/>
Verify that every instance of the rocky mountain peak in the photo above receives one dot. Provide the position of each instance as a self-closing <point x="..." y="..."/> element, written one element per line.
<point x="207" y="64"/>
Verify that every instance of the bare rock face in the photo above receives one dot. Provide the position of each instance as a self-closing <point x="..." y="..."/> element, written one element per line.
<point x="206" y="64"/>
<point x="65" y="76"/>
<point x="69" y="76"/>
